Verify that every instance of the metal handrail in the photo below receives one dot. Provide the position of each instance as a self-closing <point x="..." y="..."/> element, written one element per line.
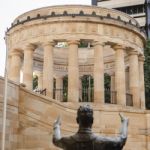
<point x="87" y="95"/>
<point x="41" y="91"/>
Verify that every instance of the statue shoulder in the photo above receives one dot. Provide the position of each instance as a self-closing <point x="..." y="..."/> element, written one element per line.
<point x="109" y="142"/>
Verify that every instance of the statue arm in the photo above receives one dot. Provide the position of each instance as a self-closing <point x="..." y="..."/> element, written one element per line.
<point x="121" y="139"/>
<point x="124" y="128"/>
<point x="118" y="141"/>
<point x="57" y="140"/>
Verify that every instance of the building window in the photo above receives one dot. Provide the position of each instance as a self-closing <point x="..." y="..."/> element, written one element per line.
<point x="131" y="10"/>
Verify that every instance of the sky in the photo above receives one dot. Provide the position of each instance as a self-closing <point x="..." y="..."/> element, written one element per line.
<point x="10" y="9"/>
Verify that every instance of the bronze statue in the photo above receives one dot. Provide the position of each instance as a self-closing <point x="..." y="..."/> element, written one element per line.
<point x="84" y="139"/>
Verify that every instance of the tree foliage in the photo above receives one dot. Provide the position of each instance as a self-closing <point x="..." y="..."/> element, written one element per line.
<point x="147" y="73"/>
<point x="83" y="45"/>
<point x="107" y="80"/>
<point x="35" y="81"/>
<point x="107" y="83"/>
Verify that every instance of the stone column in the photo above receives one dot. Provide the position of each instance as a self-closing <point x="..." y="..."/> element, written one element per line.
<point x="48" y="68"/>
<point x="59" y="88"/>
<point x="98" y="72"/>
<point x="120" y="75"/>
<point x="28" y="66"/>
<point x="73" y="72"/>
<point x="141" y="77"/>
<point x="134" y="77"/>
<point x="14" y="74"/>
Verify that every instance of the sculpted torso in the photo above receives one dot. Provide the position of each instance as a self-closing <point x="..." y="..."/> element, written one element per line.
<point x="84" y="139"/>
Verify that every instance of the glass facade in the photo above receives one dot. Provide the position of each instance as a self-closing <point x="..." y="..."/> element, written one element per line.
<point x="131" y="10"/>
<point x="138" y="11"/>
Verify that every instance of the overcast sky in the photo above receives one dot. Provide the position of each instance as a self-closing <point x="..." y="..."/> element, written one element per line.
<point x="10" y="9"/>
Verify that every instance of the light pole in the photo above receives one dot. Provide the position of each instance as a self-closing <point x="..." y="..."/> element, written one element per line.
<point x="5" y="98"/>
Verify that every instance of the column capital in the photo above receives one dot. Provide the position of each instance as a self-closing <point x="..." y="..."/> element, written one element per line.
<point x="141" y="58"/>
<point x="76" y="42"/>
<point x="48" y="43"/>
<point x="16" y="52"/>
<point x="95" y="43"/>
<point x="133" y="52"/>
<point x="58" y="77"/>
<point x="31" y="47"/>
<point x="117" y="46"/>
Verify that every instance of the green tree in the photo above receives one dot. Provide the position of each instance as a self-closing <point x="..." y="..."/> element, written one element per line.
<point x="147" y="73"/>
<point x="87" y="88"/>
<point x="107" y="80"/>
<point x="35" y="81"/>
<point x="83" y="44"/>
<point x="65" y="89"/>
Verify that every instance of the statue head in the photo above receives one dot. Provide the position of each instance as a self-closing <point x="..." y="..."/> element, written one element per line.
<point x="85" y="116"/>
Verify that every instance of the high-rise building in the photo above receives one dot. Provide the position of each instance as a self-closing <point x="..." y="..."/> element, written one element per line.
<point x="139" y="9"/>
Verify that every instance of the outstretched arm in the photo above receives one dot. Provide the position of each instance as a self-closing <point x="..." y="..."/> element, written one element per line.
<point x="115" y="142"/>
<point x="124" y="127"/>
<point x="57" y="133"/>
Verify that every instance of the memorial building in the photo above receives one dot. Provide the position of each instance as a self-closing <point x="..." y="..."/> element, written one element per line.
<point x="74" y="50"/>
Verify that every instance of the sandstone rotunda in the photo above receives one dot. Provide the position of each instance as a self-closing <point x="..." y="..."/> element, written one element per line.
<point x="72" y="49"/>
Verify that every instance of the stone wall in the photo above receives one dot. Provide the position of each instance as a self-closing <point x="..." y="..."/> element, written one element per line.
<point x="34" y="115"/>
<point x="12" y="122"/>
<point x="37" y="114"/>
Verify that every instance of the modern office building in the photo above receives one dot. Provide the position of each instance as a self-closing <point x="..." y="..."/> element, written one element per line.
<point x="139" y="9"/>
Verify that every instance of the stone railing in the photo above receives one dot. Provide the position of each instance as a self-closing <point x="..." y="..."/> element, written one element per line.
<point x="74" y="11"/>
<point x="65" y="10"/>
<point x="40" y="91"/>
<point x="87" y="95"/>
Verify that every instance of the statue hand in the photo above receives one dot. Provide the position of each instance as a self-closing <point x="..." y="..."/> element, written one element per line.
<point x="57" y="122"/>
<point x="123" y="118"/>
